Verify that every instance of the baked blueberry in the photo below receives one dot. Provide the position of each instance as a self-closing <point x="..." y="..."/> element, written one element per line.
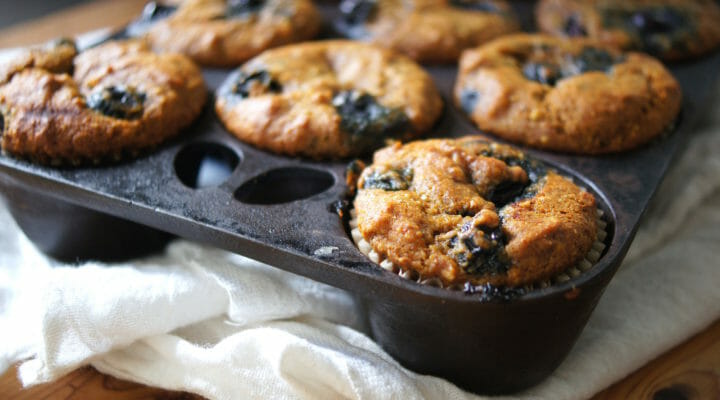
<point x="574" y="27"/>
<point x="388" y="179"/>
<point x="255" y="83"/>
<point x="652" y="29"/>
<point x="468" y="99"/>
<point x="118" y="102"/>
<point x="356" y="12"/>
<point x="477" y="5"/>
<point x="550" y="68"/>
<point x="506" y="191"/>
<point x="368" y="122"/>
<point x="543" y="72"/>
<point x="239" y="8"/>
<point x="658" y="20"/>
<point x="594" y="59"/>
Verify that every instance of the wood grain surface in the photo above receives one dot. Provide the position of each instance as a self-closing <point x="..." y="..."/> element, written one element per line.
<point x="82" y="384"/>
<point x="72" y="21"/>
<point x="690" y="371"/>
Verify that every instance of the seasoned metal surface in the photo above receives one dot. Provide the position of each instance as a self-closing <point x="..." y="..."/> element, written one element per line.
<point x="207" y="186"/>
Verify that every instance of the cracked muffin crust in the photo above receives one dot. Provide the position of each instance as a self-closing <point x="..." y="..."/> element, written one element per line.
<point x="116" y="99"/>
<point x="226" y="33"/>
<point x="569" y="95"/>
<point x="327" y="100"/>
<point x="471" y="211"/>
<point x="429" y="31"/>
<point x="668" y="29"/>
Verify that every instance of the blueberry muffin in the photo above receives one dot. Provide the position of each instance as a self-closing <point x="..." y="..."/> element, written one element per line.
<point x="668" y="29"/>
<point x="468" y="211"/>
<point x="226" y="33"/>
<point x="565" y="95"/>
<point x="327" y="100"/>
<point x="429" y="31"/>
<point x="61" y="107"/>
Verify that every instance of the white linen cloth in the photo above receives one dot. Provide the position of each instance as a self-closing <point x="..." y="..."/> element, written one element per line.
<point x="206" y="321"/>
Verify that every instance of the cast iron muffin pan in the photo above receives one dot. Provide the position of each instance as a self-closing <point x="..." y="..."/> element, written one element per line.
<point x="208" y="187"/>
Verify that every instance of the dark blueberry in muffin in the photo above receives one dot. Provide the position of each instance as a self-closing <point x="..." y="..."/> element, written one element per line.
<point x="390" y="180"/>
<point x="352" y="174"/>
<point x="2" y="124"/>
<point x="479" y="250"/>
<point x="468" y="100"/>
<point x="534" y="170"/>
<point x="589" y="59"/>
<point x="657" y="20"/>
<point x="488" y="292"/>
<point x="236" y="8"/>
<point x="593" y="59"/>
<point x="342" y="209"/>
<point x="356" y="12"/>
<point x="368" y="122"/>
<point x="506" y="192"/>
<point x="118" y="102"/>
<point x="354" y="169"/>
<point x="256" y="82"/>
<point x="655" y="30"/>
<point x="476" y="5"/>
<point x="574" y="27"/>
<point x="660" y="29"/>
<point x="545" y="73"/>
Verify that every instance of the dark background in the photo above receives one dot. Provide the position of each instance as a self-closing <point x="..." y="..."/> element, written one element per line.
<point x="16" y="11"/>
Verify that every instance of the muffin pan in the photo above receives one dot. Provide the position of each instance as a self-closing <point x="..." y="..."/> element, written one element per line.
<point x="208" y="187"/>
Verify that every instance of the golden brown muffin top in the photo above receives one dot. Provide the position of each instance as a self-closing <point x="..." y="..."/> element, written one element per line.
<point x="328" y="99"/>
<point x="575" y="96"/>
<point x="668" y="29"/>
<point x="468" y="210"/>
<point x="226" y="33"/>
<point x="104" y="103"/>
<point x="432" y="31"/>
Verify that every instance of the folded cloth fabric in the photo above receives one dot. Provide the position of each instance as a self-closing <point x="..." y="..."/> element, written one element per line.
<point x="206" y="321"/>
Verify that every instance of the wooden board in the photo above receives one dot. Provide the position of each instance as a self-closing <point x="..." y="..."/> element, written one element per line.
<point x="72" y="21"/>
<point x="85" y="383"/>
<point x="691" y="371"/>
